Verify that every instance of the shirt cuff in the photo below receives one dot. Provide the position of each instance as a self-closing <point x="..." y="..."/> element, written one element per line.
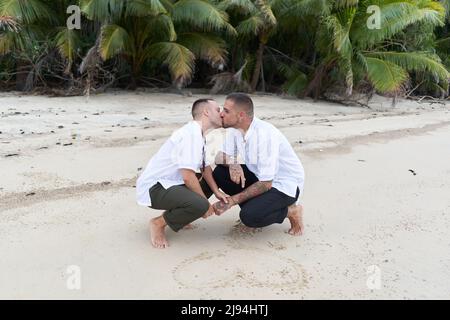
<point x="181" y="166"/>
<point x="265" y="177"/>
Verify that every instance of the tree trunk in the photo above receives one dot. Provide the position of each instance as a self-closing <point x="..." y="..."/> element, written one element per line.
<point x="135" y="76"/>
<point x="263" y="81"/>
<point x="133" y="83"/>
<point x="257" y="70"/>
<point x="21" y="75"/>
<point x="233" y="58"/>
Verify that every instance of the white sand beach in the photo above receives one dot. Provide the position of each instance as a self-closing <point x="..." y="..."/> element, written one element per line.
<point x="376" y="194"/>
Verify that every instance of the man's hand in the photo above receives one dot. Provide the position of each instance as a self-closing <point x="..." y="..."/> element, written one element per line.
<point x="237" y="174"/>
<point x="221" y="196"/>
<point x="220" y="206"/>
<point x="210" y="212"/>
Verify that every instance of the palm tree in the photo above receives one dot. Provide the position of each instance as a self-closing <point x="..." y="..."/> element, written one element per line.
<point x="351" y="52"/>
<point x="21" y="37"/>
<point x="310" y="45"/>
<point x="442" y="41"/>
<point x="33" y="26"/>
<point x="258" y="21"/>
<point x="294" y="52"/>
<point x="169" y="33"/>
<point x="374" y="53"/>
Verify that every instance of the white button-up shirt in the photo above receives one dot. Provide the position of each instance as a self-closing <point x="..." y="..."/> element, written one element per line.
<point x="268" y="154"/>
<point x="185" y="149"/>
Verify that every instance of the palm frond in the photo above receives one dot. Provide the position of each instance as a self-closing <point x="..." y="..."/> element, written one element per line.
<point x="384" y="75"/>
<point x="157" y="29"/>
<point x="415" y="61"/>
<point x="296" y="81"/>
<point x="144" y="8"/>
<point x="178" y="59"/>
<point x="300" y="9"/>
<point x="6" y="42"/>
<point x="201" y="14"/>
<point x="102" y="10"/>
<point x="243" y="6"/>
<point x="205" y="46"/>
<point x="168" y="5"/>
<point x="9" y="23"/>
<point x="395" y="17"/>
<point x="250" y="26"/>
<point x="26" y="11"/>
<point x="113" y="40"/>
<point x="266" y="13"/>
<point x="67" y="42"/>
<point x="359" y="67"/>
<point x="443" y="44"/>
<point x="446" y="5"/>
<point x="345" y="3"/>
<point x="11" y="41"/>
<point x="340" y="35"/>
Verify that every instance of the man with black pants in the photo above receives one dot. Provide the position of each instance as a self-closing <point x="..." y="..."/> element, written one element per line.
<point x="268" y="186"/>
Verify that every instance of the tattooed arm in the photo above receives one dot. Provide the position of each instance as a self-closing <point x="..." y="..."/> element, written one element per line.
<point x="253" y="191"/>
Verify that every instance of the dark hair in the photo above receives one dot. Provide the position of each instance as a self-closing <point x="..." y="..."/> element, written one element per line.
<point x="243" y="101"/>
<point x="197" y="107"/>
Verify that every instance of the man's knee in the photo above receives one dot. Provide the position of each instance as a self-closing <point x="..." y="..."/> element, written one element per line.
<point x="199" y="207"/>
<point x="248" y="218"/>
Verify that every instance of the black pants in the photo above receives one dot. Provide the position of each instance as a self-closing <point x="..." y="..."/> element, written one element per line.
<point x="266" y="209"/>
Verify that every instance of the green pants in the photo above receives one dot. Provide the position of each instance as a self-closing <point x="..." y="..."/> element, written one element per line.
<point x="182" y="205"/>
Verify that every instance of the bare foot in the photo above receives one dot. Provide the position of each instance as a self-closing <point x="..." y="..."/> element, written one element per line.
<point x="190" y="226"/>
<point x="157" y="235"/>
<point x="295" y="216"/>
<point x="244" y="229"/>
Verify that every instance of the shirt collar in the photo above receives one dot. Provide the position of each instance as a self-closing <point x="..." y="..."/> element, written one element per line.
<point x="251" y="129"/>
<point x="198" y="127"/>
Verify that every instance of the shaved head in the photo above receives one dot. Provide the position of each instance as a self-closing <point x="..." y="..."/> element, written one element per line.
<point x="198" y="106"/>
<point x="242" y="101"/>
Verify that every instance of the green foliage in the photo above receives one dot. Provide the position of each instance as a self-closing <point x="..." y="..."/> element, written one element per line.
<point x="298" y="46"/>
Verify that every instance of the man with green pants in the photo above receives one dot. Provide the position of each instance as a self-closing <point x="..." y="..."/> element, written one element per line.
<point x="170" y="180"/>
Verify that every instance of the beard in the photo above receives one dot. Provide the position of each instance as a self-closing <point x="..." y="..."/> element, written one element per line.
<point x="229" y="125"/>
<point x="219" y="125"/>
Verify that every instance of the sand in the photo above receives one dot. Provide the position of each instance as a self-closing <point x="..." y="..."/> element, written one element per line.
<point x="377" y="204"/>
